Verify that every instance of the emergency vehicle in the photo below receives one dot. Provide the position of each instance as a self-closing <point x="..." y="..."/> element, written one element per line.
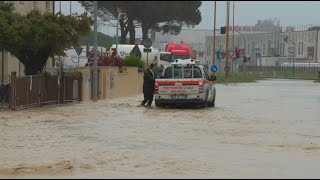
<point x="185" y="82"/>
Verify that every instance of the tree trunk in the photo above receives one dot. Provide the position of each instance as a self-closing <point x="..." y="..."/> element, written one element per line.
<point x="144" y="31"/>
<point x="123" y="32"/>
<point x="132" y="32"/>
<point x="34" y="64"/>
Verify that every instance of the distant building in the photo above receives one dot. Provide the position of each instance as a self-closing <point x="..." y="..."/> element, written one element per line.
<point x="269" y="25"/>
<point x="9" y="63"/>
<point x="273" y="48"/>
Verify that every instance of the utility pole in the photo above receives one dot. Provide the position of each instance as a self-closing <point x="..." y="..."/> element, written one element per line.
<point x="233" y="59"/>
<point x="214" y="33"/>
<point x="227" y="40"/>
<point x="60" y="63"/>
<point x="95" y="60"/>
<point x="233" y="25"/>
<point x="294" y="54"/>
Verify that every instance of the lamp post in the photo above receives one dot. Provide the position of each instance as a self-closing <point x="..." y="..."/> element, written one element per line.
<point x="214" y="34"/>
<point x="245" y="43"/>
<point x="227" y="41"/>
<point x="95" y="60"/>
<point x="294" y="53"/>
<point x="244" y="40"/>
<point x="118" y="19"/>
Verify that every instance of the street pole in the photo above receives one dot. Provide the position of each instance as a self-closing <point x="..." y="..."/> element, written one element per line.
<point x="232" y="61"/>
<point x="117" y="33"/>
<point x="233" y="25"/>
<point x="118" y="18"/>
<point x="294" y="54"/>
<point x="227" y="41"/>
<point x="95" y="60"/>
<point x="214" y="34"/>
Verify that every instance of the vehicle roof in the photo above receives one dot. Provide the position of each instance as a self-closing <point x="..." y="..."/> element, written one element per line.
<point x="185" y="62"/>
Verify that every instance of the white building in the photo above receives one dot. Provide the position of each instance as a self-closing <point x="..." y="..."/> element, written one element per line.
<point x="273" y="48"/>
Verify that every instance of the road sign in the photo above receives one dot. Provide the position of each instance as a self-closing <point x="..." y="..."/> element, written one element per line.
<point x="214" y="68"/>
<point x="223" y="55"/>
<point x="147" y="43"/>
<point x="232" y="54"/>
<point x="79" y="51"/>
<point x="147" y="50"/>
<point x="135" y="51"/>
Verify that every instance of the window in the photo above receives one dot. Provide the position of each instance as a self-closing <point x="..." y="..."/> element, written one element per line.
<point x="300" y="48"/>
<point x="201" y="55"/>
<point x="47" y="4"/>
<point x="310" y="51"/>
<point x="174" y="56"/>
<point x="187" y="72"/>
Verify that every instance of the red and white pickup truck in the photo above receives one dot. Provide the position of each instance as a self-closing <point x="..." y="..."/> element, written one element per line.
<point x="185" y="82"/>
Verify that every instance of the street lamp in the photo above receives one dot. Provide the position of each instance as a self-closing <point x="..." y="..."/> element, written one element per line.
<point x="244" y="40"/>
<point x="95" y="60"/>
<point x="118" y="19"/>
<point x="294" y="53"/>
<point x="245" y="44"/>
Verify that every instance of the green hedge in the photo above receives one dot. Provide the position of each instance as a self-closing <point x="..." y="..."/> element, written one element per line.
<point x="134" y="61"/>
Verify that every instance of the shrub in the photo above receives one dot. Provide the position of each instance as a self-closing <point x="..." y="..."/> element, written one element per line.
<point x="134" y="61"/>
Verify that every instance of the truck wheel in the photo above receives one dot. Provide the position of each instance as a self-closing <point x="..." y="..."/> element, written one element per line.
<point x="204" y="104"/>
<point x="212" y="103"/>
<point x="158" y="104"/>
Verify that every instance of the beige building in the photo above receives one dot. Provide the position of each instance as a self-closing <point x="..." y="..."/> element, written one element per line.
<point x="9" y="63"/>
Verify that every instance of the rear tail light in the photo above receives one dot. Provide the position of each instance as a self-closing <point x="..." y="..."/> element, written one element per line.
<point x="156" y="87"/>
<point x="200" y="86"/>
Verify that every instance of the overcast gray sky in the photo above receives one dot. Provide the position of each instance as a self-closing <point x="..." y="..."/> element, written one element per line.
<point x="246" y="13"/>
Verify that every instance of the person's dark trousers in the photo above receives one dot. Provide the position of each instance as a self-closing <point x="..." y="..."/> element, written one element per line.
<point x="148" y="98"/>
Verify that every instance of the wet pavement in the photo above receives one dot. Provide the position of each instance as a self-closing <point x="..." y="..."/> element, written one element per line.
<point x="268" y="129"/>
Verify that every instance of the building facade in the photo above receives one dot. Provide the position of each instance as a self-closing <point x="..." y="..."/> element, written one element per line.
<point x="271" y="48"/>
<point x="9" y="63"/>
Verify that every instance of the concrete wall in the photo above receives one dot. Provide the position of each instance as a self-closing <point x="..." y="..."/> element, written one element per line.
<point x="112" y="82"/>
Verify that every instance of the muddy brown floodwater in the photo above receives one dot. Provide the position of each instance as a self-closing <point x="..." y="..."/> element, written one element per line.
<point x="268" y="129"/>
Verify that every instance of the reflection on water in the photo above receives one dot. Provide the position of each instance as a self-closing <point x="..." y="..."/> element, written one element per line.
<point x="265" y="129"/>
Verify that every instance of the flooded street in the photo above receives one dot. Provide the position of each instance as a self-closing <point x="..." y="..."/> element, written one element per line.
<point x="268" y="129"/>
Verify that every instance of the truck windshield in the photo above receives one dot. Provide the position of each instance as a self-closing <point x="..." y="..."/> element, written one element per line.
<point x="174" y="56"/>
<point x="178" y="74"/>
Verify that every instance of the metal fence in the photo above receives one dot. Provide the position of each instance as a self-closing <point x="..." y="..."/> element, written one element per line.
<point x="39" y="90"/>
<point x="302" y="69"/>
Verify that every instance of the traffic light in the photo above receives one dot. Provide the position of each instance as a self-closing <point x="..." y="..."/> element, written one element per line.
<point x="223" y="30"/>
<point x="244" y="59"/>
<point x="238" y="53"/>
